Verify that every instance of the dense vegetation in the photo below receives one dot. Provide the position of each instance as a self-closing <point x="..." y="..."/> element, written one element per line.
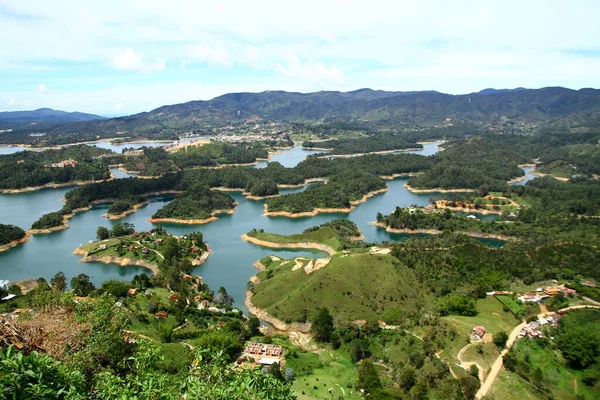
<point x="198" y="202"/>
<point x="10" y="233"/>
<point x="31" y="168"/>
<point x="471" y="163"/>
<point x="126" y="204"/>
<point x="49" y="220"/>
<point x="338" y="192"/>
<point x="380" y="142"/>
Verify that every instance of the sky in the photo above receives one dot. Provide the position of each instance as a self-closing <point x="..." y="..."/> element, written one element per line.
<point x="118" y="57"/>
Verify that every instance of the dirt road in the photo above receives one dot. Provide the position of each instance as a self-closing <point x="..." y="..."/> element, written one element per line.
<point x="485" y="387"/>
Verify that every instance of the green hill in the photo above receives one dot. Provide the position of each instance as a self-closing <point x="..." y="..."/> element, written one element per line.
<point x="352" y="286"/>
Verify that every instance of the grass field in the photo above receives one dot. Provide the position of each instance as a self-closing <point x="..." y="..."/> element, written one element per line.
<point x="352" y="286"/>
<point x="486" y="358"/>
<point x="337" y="373"/>
<point x="510" y="386"/>
<point x="491" y="315"/>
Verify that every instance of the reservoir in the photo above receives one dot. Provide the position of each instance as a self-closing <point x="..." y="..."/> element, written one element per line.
<point x="229" y="265"/>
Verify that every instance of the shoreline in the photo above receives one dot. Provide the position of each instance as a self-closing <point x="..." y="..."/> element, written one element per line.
<point x="299" y="245"/>
<point x="436" y="232"/>
<point x="67" y="217"/>
<point x="273" y="321"/>
<point x="316" y="211"/>
<point x="442" y="205"/>
<point x="52" y="186"/>
<point x="412" y="189"/>
<point x="131" y="262"/>
<point x="212" y="218"/>
<point x="369" y="153"/>
<point x="400" y="175"/>
<point x="15" y="243"/>
<point x="125" y="213"/>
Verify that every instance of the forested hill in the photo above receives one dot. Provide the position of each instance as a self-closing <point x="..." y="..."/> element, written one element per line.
<point x="44" y="115"/>
<point x="547" y="106"/>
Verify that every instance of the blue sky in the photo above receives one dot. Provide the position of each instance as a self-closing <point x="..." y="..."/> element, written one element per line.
<point x="116" y="57"/>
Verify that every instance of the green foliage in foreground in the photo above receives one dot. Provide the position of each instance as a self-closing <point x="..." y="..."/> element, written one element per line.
<point x="210" y="377"/>
<point x="10" y="233"/>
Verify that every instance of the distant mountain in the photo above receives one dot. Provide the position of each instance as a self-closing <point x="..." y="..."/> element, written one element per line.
<point x="536" y="107"/>
<point x="45" y="115"/>
<point x="494" y="91"/>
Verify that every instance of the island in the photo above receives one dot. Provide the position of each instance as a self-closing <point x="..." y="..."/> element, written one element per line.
<point x="431" y="221"/>
<point x="125" y="206"/>
<point x="31" y="170"/>
<point x="11" y="236"/>
<point x="329" y="237"/>
<point x="341" y="193"/>
<point x="198" y="205"/>
<point x="145" y="249"/>
<point x="376" y="144"/>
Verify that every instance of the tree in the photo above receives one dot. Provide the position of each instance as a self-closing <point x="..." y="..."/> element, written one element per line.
<point x="102" y="233"/>
<point x="579" y="346"/>
<point x="122" y="229"/>
<point x="14" y="289"/>
<point x="483" y="190"/>
<point x="500" y="339"/>
<point x="322" y="325"/>
<point x="368" y="380"/>
<point x="82" y="286"/>
<point x="253" y="325"/>
<point x="59" y="282"/>
<point x="408" y="378"/>
<point x="289" y="374"/>
<point x="276" y="371"/>
<point x="223" y="297"/>
<point x="115" y="287"/>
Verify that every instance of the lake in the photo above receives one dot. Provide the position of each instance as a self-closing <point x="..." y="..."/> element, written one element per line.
<point x="230" y="264"/>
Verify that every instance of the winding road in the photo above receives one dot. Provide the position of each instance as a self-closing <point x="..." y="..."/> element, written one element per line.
<point x="485" y="387"/>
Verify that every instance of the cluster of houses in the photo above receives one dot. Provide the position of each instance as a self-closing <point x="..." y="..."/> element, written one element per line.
<point x="64" y="163"/>
<point x="534" y="328"/>
<point x="541" y="294"/>
<point x="261" y="353"/>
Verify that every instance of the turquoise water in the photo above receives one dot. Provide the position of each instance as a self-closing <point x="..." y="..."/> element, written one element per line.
<point x="230" y="265"/>
<point x="528" y="176"/>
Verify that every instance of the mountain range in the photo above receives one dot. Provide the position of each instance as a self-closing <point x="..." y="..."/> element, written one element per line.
<point x="45" y="115"/>
<point x="546" y="107"/>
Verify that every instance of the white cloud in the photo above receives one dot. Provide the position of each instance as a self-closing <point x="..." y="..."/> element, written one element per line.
<point x="254" y="57"/>
<point x="453" y="47"/>
<point x="129" y="60"/>
<point x="311" y="70"/>
<point x="41" y="88"/>
<point x="214" y="55"/>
